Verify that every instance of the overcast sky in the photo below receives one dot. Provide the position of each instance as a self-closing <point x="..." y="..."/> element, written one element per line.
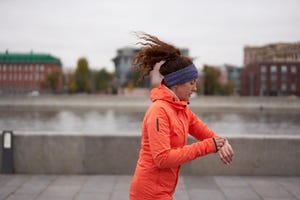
<point x="215" y="31"/>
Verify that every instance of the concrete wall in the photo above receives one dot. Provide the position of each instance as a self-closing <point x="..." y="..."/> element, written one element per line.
<point x="70" y="154"/>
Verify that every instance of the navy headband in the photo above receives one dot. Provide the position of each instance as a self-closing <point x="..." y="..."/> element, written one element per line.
<point x="184" y="75"/>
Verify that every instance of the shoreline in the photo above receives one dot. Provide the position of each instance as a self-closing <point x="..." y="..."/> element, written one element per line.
<point x="209" y="103"/>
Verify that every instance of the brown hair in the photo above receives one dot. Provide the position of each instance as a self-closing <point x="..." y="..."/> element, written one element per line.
<point x="155" y="51"/>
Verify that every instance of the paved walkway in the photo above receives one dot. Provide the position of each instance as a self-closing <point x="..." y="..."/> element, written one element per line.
<point x="115" y="187"/>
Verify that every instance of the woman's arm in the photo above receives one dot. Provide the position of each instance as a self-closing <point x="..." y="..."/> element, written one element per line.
<point x="164" y="156"/>
<point x="201" y="131"/>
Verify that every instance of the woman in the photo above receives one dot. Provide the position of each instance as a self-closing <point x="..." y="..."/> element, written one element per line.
<point x="167" y="123"/>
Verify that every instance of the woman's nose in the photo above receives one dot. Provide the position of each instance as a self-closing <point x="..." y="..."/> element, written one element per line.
<point x="195" y="88"/>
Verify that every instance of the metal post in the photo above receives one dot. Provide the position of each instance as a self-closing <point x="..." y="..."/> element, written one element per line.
<point x="7" y="152"/>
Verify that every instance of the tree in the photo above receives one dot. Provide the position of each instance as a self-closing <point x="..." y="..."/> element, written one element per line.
<point x="211" y="77"/>
<point x="103" y="80"/>
<point x="53" y="80"/>
<point x="82" y="76"/>
<point x="134" y="79"/>
<point x="226" y="89"/>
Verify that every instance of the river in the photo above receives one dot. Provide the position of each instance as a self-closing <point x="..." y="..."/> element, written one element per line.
<point x="110" y="121"/>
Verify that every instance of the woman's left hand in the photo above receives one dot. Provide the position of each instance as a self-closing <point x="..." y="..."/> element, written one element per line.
<point x="226" y="153"/>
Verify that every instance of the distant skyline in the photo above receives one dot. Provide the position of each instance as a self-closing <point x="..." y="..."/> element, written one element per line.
<point x="215" y="31"/>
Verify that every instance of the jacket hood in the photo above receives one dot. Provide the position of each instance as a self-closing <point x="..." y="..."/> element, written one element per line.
<point x="164" y="94"/>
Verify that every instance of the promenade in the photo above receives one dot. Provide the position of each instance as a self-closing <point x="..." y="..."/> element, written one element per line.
<point x="250" y="177"/>
<point x="116" y="187"/>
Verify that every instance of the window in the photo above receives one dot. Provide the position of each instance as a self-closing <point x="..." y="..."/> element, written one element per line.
<point x="283" y="69"/>
<point x="273" y="77"/>
<point x="263" y="69"/>
<point x="263" y="86"/>
<point x="294" y="78"/>
<point x="294" y="69"/>
<point x="42" y="68"/>
<point x="37" y="76"/>
<point x="263" y="78"/>
<point x="283" y="87"/>
<point x="273" y="69"/>
<point x="4" y="67"/>
<point x="283" y="78"/>
<point x="274" y="87"/>
<point x="293" y="87"/>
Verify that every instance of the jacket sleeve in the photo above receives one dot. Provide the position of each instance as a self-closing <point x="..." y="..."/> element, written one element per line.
<point x="160" y="145"/>
<point x="198" y="129"/>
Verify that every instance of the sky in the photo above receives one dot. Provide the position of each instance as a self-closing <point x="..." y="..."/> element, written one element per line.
<point x="214" y="31"/>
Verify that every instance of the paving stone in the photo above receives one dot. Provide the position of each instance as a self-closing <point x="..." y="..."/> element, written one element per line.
<point x="21" y="197"/>
<point x="196" y="194"/>
<point x="99" y="183"/>
<point x="181" y="192"/>
<point x="93" y="196"/>
<point x="60" y="191"/>
<point x="116" y="187"/>
<point x="266" y="187"/>
<point x="35" y="185"/>
<point x="200" y="182"/>
<point x="291" y="184"/>
<point x="121" y="188"/>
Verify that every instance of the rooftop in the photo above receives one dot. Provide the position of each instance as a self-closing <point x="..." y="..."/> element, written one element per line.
<point x="31" y="57"/>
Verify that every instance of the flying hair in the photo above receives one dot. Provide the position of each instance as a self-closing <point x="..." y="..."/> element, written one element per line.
<point x="154" y="51"/>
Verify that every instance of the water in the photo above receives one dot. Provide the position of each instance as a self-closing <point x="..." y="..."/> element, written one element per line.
<point x="126" y="122"/>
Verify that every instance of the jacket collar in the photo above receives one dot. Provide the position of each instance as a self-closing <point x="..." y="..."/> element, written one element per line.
<point x="165" y="94"/>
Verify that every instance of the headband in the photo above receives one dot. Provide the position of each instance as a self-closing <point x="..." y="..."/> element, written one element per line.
<point x="181" y="76"/>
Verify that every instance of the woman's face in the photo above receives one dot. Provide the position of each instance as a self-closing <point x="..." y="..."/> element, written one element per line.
<point x="185" y="90"/>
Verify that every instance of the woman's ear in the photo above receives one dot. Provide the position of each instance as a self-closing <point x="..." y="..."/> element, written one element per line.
<point x="174" y="86"/>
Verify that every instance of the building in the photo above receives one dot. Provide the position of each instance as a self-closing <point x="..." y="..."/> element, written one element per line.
<point x="234" y="74"/>
<point x="230" y="73"/>
<point x="271" y="70"/>
<point x="123" y="67"/>
<point x="278" y="52"/>
<point x="26" y="72"/>
<point x="271" y="79"/>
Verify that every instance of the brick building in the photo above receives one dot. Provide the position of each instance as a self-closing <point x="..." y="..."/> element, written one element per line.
<point x="26" y="72"/>
<point x="271" y="70"/>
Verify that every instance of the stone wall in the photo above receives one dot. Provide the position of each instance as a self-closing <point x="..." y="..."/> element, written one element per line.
<point x="70" y="154"/>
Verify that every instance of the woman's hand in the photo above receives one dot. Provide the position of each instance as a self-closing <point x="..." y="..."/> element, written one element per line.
<point x="226" y="153"/>
<point x="219" y="142"/>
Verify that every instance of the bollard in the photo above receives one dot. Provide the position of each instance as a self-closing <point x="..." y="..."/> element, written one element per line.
<point x="7" y="152"/>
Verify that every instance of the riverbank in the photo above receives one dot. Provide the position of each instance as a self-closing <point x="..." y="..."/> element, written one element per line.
<point x="211" y="103"/>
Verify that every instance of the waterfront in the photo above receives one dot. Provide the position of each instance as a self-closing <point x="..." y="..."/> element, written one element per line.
<point x="123" y="116"/>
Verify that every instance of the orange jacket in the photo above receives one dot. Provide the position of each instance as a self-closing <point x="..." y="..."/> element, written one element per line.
<point x="163" y="147"/>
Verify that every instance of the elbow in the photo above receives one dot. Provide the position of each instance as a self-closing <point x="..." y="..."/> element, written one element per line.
<point x="161" y="161"/>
